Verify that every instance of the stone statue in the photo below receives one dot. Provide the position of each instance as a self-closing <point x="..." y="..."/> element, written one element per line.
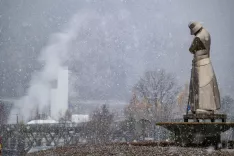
<point x="204" y="94"/>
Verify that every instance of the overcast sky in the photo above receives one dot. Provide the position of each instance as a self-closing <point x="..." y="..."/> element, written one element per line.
<point x="147" y="35"/>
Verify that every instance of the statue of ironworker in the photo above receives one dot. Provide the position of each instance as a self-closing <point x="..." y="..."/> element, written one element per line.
<point x="204" y="94"/>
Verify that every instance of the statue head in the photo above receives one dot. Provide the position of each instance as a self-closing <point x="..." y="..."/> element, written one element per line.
<point x="194" y="27"/>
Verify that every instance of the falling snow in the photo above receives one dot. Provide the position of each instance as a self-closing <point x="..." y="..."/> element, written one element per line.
<point x="125" y="66"/>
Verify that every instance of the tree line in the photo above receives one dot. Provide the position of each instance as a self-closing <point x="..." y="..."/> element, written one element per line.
<point x="156" y="97"/>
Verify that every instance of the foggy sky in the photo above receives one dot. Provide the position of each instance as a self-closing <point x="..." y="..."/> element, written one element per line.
<point x="149" y="35"/>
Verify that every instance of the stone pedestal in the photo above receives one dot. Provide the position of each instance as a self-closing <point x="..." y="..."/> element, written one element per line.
<point x="211" y="117"/>
<point x="197" y="133"/>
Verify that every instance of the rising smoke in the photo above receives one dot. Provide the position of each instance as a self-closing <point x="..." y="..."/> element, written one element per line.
<point x="53" y="57"/>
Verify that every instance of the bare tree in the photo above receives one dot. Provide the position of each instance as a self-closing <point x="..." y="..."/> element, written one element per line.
<point x="66" y="117"/>
<point x="154" y="97"/>
<point x="5" y="109"/>
<point x="182" y="102"/>
<point x="227" y="105"/>
<point x="99" y="128"/>
<point x="138" y="108"/>
<point x="35" y="114"/>
<point x="160" y="90"/>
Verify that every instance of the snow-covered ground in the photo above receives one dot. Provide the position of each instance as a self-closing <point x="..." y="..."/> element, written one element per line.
<point x="42" y="122"/>
<point x="39" y="148"/>
<point x="46" y="121"/>
<point x="125" y="149"/>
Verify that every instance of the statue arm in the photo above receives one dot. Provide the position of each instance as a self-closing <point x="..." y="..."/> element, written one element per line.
<point x="196" y="45"/>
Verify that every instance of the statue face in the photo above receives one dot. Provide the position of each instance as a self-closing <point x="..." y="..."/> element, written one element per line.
<point x="191" y="32"/>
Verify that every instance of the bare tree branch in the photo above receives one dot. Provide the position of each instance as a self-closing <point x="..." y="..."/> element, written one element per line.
<point x="160" y="89"/>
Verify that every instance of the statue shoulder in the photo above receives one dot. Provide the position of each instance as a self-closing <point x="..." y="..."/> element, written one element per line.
<point x="204" y="35"/>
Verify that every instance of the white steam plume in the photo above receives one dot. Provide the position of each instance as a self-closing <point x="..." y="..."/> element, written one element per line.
<point x="53" y="57"/>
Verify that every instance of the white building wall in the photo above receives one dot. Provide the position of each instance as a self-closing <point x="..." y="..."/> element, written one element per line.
<point x="59" y="95"/>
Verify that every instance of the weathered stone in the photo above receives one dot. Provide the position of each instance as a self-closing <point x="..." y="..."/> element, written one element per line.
<point x="203" y="91"/>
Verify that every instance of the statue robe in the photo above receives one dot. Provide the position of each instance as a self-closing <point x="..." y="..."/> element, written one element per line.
<point x="203" y="90"/>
